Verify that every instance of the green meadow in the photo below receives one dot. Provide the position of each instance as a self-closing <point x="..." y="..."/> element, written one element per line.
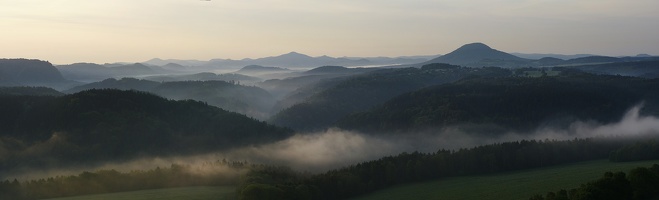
<point x="510" y="185"/>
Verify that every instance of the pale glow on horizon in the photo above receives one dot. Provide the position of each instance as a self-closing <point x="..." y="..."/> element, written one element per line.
<point x="68" y="31"/>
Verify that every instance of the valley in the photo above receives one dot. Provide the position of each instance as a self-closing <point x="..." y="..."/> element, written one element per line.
<point x="300" y="127"/>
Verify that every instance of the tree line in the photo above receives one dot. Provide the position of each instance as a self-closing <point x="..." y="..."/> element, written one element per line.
<point x="640" y="184"/>
<point x="256" y="181"/>
<point x="215" y="173"/>
<point x="366" y="177"/>
<point x="113" y="125"/>
<point x="515" y="103"/>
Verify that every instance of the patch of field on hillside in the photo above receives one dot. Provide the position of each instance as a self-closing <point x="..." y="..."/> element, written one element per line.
<point x="510" y="185"/>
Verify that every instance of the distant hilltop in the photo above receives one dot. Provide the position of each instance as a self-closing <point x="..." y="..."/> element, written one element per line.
<point x="481" y="55"/>
<point x="30" y="72"/>
<point x="474" y="53"/>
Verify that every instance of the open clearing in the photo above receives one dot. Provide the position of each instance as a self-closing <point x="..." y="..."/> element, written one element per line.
<point x="510" y="185"/>
<point x="186" y="193"/>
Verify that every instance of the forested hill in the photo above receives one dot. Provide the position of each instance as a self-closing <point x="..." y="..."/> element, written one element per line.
<point x="511" y="103"/>
<point x="361" y="92"/>
<point x="27" y="72"/>
<point x="248" y="100"/>
<point x="104" y="125"/>
<point x="30" y="91"/>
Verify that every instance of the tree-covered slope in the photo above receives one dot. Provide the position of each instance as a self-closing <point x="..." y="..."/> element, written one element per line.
<point x="646" y="68"/>
<point x="102" y="125"/>
<point x="120" y="84"/>
<point x="511" y="103"/>
<point x="479" y="55"/>
<point x="90" y="72"/>
<point x="361" y="92"/>
<point x="27" y="72"/>
<point x="29" y="91"/>
<point x="248" y="100"/>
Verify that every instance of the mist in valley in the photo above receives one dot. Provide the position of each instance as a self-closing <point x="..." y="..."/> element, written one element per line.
<point x="334" y="148"/>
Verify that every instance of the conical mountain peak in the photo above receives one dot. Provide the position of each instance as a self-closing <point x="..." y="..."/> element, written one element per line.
<point x="473" y="53"/>
<point x="474" y="46"/>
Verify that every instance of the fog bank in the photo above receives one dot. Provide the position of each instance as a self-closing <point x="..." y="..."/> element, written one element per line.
<point x="317" y="152"/>
<point x="334" y="148"/>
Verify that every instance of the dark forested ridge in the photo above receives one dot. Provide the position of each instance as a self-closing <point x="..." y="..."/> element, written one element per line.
<point x="644" y="68"/>
<point x="105" y="125"/>
<point x="29" y="91"/>
<point x="513" y="103"/>
<point x="248" y="100"/>
<point x="258" y="69"/>
<point x="204" y="76"/>
<point x="90" y="72"/>
<point x="26" y="72"/>
<point x="361" y="92"/>
<point x="642" y="150"/>
<point x="211" y="173"/>
<point x="120" y="84"/>
<point x="639" y="184"/>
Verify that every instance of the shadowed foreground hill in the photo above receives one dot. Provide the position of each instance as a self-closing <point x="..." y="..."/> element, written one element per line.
<point x="105" y="125"/>
<point x="512" y="103"/>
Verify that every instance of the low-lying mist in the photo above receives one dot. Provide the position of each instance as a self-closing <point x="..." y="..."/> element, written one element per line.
<point x="317" y="152"/>
<point x="333" y="148"/>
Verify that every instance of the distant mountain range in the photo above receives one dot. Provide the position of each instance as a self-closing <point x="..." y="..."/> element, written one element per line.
<point x="481" y="55"/>
<point x="294" y="60"/>
<point x="536" y="56"/>
<point x="25" y="72"/>
<point x="90" y="72"/>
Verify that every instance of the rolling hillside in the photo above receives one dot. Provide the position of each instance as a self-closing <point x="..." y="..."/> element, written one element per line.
<point x="110" y="125"/>
<point x="360" y="93"/>
<point x="478" y="55"/>
<point x="248" y="100"/>
<point x="25" y="72"/>
<point x="509" y="103"/>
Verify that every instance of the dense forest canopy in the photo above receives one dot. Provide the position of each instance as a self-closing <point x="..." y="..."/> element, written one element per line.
<point x="514" y="103"/>
<point x="96" y="123"/>
<point x="232" y="96"/>
<point x="105" y="125"/>
<point x="361" y="92"/>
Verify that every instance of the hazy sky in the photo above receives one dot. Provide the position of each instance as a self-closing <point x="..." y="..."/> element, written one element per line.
<point x="67" y="31"/>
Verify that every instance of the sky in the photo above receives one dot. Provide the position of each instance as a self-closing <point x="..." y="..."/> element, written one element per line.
<point x="69" y="31"/>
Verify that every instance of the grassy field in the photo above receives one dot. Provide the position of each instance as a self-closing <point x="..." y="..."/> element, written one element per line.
<point x="187" y="193"/>
<point x="513" y="185"/>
